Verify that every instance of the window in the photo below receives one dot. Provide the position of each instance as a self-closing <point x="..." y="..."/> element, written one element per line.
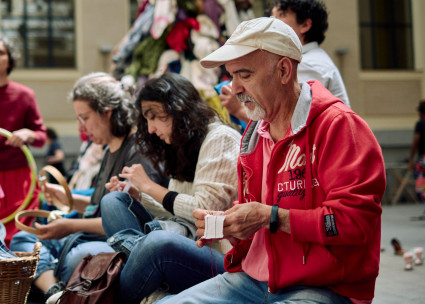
<point x="43" y="31"/>
<point x="386" y="34"/>
<point x="134" y="8"/>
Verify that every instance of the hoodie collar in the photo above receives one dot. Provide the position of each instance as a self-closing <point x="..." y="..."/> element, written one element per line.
<point x="302" y="109"/>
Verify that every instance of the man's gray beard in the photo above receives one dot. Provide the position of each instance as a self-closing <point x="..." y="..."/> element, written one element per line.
<point x="258" y="113"/>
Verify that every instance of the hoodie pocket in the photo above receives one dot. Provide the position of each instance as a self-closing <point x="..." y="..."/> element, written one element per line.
<point x="321" y="267"/>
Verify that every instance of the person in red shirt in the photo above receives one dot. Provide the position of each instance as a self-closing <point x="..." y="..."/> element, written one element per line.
<point x="21" y="116"/>
<point x="307" y="224"/>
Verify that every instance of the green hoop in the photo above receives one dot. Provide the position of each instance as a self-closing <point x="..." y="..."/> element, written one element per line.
<point x="33" y="167"/>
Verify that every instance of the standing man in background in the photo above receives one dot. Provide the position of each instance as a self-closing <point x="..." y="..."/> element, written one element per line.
<point x="309" y="20"/>
<point x="20" y="115"/>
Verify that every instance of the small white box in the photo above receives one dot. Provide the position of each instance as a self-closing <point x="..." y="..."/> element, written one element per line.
<point x="214" y="226"/>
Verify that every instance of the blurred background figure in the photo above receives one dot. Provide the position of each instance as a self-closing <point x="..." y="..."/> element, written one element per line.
<point x="20" y="115"/>
<point x="309" y="20"/>
<point x="417" y="153"/>
<point x="55" y="155"/>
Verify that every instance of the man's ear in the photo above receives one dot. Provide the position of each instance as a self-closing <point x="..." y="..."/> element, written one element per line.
<point x="305" y="27"/>
<point x="285" y="68"/>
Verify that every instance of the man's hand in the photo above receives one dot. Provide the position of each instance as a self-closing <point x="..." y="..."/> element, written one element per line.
<point x="232" y="104"/>
<point x="199" y="215"/>
<point x="243" y="220"/>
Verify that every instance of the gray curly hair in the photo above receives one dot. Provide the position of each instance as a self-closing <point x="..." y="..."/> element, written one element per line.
<point x="103" y="93"/>
<point x="12" y="53"/>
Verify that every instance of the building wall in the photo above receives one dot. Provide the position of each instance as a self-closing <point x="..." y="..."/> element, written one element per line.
<point x="100" y="24"/>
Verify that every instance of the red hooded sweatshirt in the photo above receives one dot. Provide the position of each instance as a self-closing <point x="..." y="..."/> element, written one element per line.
<point x="330" y="174"/>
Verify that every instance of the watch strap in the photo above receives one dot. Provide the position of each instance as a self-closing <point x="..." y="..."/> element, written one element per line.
<point x="274" y="219"/>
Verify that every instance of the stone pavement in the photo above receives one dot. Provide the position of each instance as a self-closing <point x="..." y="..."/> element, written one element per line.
<point x="394" y="284"/>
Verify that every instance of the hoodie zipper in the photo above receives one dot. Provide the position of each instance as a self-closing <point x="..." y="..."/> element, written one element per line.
<point x="308" y="199"/>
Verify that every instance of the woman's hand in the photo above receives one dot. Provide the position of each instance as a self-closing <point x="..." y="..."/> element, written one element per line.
<point x="137" y="175"/>
<point x="116" y="185"/>
<point x="54" y="192"/>
<point x="56" y="229"/>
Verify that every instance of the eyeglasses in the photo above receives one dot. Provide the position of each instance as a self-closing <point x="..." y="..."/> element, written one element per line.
<point x="82" y="118"/>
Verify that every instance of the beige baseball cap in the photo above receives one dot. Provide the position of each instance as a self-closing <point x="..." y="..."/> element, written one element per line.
<point x="265" y="33"/>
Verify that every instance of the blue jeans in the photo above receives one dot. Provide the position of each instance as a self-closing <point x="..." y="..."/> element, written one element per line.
<point x="51" y="249"/>
<point x="157" y="259"/>
<point x="231" y="288"/>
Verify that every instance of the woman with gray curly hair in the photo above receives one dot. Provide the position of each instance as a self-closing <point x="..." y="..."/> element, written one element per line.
<point x="106" y="113"/>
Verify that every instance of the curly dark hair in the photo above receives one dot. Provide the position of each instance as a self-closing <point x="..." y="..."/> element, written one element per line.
<point x="304" y="9"/>
<point x="103" y="93"/>
<point x="191" y="116"/>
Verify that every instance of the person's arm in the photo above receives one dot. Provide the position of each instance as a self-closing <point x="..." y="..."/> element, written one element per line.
<point x="56" y="158"/>
<point x="215" y="183"/>
<point x="141" y="182"/>
<point x="34" y="122"/>
<point x="243" y="220"/>
<point x="414" y="149"/>
<point x="21" y="137"/>
<point x="53" y="191"/>
<point x="60" y="228"/>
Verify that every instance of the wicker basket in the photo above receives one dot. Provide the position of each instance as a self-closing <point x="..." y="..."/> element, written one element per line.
<point x="16" y="276"/>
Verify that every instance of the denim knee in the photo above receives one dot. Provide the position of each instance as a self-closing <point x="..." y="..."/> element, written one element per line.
<point x="23" y="241"/>
<point x="111" y="201"/>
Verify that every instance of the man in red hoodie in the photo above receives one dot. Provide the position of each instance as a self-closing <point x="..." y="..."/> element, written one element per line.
<point x="307" y="226"/>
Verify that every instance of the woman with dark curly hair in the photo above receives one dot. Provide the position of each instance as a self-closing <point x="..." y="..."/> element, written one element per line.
<point x="106" y="113"/>
<point x="177" y="130"/>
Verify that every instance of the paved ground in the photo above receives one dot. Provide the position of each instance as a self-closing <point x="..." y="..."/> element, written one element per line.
<point x="394" y="284"/>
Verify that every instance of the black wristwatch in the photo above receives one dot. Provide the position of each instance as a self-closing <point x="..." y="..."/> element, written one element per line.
<point x="274" y="219"/>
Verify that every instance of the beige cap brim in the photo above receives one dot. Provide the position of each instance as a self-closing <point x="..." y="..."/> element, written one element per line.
<point x="225" y="54"/>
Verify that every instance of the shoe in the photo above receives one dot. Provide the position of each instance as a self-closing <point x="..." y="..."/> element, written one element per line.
<point x="397" y="247"/>
<point x="418" y="256"/>
<point x="55" y="288"/>
<point x="408" y="259"/>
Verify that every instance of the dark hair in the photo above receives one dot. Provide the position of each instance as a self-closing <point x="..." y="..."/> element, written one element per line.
<point x="305" y="9"/>
<point x="191" y="116"/>
<point x="12" y="53"/>
<point x="51" y="134"/>
<point x="421" y="107"/>
<point x="103" y="92"/>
